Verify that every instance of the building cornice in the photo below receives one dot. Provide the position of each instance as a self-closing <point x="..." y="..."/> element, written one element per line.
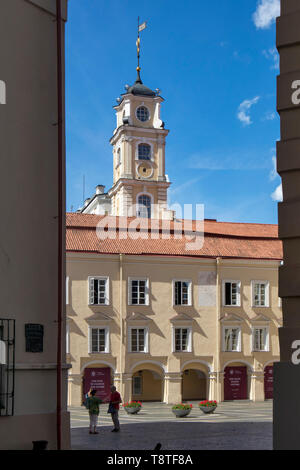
<point x="125" y="129"/>
<point x="130" y="182"/>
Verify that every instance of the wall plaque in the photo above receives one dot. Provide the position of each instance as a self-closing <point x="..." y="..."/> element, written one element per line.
<point x="34" y="334"/>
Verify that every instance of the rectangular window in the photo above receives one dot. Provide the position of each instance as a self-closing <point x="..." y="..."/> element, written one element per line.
<point x="260" y="339"/>
<point x="98" y="340"/>
<point x="231" y="292"/>
<point x="231" y="339"/>
<point x="137" y="385"/>
<point x="182" y="293"/>
<point x="67" y="338"/>
<point x="138" y="340"/>
<point x="260" y="294"/>
<point x="138" y="292"/>
<point x="182" y="341"/>
<point x="67" y="290"/>
<point x="98" y="291"/>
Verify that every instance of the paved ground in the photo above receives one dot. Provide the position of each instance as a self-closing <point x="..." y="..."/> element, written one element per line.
<point x="234" y="425"/>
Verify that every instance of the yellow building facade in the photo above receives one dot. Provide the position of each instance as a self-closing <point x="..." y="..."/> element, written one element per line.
<point x="166" y="346"/>
<point x="170" y="321"/>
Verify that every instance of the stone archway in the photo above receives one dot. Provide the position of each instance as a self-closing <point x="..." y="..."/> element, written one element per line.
<point x="195" y="382"/>
<point x="194" y="385"/>
<point x="147" y="382"/>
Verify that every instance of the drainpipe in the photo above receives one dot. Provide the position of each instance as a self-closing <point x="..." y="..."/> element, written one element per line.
<point x="121" y="317"/>
<point x="61" y="213"/>
<point x="218" y="315"/>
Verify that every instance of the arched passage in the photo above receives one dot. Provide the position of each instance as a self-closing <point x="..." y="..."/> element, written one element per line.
<point x="147" y="382"/>
<point x="195" y="381"/>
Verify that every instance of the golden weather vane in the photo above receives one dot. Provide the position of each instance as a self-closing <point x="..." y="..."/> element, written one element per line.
<point x="138" y="43"/>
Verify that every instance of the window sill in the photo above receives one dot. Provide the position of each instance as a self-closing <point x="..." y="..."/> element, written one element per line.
<point x="96" y="353"/>
<point x="98" y="305"/>
<point x="231" y="351"/>
<point x="232" y="306"/>
<point x="138" y="352"/>
<point x="260" y="351"/>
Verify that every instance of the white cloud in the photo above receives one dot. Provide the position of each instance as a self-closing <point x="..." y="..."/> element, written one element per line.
<point x="266" y="13"/>
<point x="272" y="54"/>
<point x="269" y="116"/>
<point x="244" y="110"/>
<point x="277" y="194"/>
<point x="273" y="172"/>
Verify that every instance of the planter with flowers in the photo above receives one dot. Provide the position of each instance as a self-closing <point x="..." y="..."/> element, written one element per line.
<point x="182" y="409"/>
<point x="132" y="407"/>
<point x="208" y="406"/>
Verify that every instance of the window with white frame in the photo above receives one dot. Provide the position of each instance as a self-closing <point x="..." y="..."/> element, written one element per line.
<point x="98" y="291"/>
<point x="260" y="337"/>
<point x="182" y="292"/>
<point x="182" y="339"/>
<point x="231" y="339"/>
<point x="231" y="293"/>
<point x="260" y="294"/>
<point x="138" y="340"/>
<point x="138" y="291"/>
<point x="98" y="340"/>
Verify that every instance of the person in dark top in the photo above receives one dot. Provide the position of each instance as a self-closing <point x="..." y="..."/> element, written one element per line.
<point x="115" y="400"/>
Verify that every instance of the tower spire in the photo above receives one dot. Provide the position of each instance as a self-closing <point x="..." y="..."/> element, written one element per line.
<point x="138" y="47"/>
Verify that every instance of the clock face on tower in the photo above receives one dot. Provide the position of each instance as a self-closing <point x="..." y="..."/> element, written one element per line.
<point x="145" y="170"/>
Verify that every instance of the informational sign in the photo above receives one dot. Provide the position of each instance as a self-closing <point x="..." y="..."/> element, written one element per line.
<point x="97" y="379"/>
<point x="235" y="383"/>
<point x="34" y="334"/>
<point x="268" y="382"/>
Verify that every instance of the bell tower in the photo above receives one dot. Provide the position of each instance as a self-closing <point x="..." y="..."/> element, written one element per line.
<point x="139" y="181"/>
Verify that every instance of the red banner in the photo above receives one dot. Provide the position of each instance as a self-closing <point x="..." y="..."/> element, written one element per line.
<point x="268" y="382"/>
<point x="235" y="383"/>
<point x="97" y="379"/>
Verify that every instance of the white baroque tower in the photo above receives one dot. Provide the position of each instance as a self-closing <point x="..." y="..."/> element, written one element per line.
<point x="140" y="184"/>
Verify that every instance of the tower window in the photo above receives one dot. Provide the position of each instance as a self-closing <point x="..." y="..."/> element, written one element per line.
<point x="142" y="113"/>
<point x="144" y="152"/>
<point x="144" y="206"/>
<point x="118" y="160"/>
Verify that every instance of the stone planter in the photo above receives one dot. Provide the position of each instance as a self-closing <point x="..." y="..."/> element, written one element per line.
<point x="132" y="410"/>
<point x="208" y="409"/>
<point x="181" y="413"/>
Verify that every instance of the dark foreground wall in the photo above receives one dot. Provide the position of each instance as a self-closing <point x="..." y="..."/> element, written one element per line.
<point x="29" y="229"/>
<point x="286" y="433"/>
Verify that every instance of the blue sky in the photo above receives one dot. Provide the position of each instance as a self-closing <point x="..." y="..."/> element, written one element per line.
<point x="215" y="64"/>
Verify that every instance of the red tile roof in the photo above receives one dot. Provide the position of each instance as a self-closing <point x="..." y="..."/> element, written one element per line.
<point x="221" y="239"/>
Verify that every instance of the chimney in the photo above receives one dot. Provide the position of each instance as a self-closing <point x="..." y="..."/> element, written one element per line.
<point x="100" y="189"/>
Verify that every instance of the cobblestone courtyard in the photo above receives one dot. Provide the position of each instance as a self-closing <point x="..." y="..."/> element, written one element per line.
<point x="234" y="425"/>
